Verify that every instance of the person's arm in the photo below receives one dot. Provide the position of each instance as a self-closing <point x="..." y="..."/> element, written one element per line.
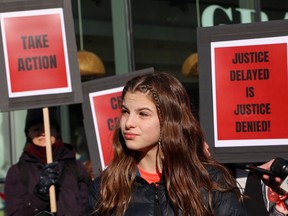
<point x="225" y="203"/>
<point x="84" y="184"/>
<point x="93" y="195"/>
<point x="18" y="200"/>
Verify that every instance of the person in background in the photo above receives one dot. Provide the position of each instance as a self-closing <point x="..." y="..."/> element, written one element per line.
<point x="277" y="200"/>
<point x="27" y="183"/>
<point x="264" y="196"/>
<point x="81" y="148"/>
<point x="161" y="165"/>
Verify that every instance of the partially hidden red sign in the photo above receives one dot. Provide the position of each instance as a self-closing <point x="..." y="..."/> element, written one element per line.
<point x="250" y="92"/>
<point x="35" y="52"/>
<point x="106" y="109"/>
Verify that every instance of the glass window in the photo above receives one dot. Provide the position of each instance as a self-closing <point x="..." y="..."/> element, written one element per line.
<point x="93" y="29"/>
<point x="276" y="11"/>
<point x="5" y="153"/>
<point x="225" y="12"/>
<point x="164" y="34"/>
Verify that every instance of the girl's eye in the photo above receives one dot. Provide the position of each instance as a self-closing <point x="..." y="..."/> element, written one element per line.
<point x="123" y="111"/>
<point x="143" y="114"/>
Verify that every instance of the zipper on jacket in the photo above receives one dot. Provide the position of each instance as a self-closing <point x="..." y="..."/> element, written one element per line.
<point x="157" y="211"/>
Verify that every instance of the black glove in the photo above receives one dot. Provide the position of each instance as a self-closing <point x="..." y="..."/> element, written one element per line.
<point x="48" y="176"/>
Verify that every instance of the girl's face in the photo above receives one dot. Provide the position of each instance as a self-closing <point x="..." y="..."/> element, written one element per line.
<point x="37" y="135"/>
<point x="139" y="122"/>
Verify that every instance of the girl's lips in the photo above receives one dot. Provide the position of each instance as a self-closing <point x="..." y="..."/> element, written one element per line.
<point x="129" y="135"/>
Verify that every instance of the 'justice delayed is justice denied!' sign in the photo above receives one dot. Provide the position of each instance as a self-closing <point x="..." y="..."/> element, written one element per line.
<point x="35" y="52"/>
<point x="250" y="92"/>
<point x="106" y="109"/>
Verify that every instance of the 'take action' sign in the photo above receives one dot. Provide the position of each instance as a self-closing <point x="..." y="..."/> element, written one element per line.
<point x="35" y="52"/>
<point x="250" y="92"/>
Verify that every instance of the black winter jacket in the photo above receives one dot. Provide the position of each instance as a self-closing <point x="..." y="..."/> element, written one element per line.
<point x="151" y="200"/>
<point x="21" y="180"/>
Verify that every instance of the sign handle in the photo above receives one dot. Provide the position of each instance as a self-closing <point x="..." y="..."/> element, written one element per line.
<point x="49" y="156"/>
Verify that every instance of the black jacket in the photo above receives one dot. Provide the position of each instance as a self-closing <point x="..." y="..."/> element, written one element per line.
<point x="22" y="178"/>
<point x="152" y="200"/>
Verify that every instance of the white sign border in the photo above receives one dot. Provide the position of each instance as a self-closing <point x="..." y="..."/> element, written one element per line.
<point x="36" y="13"/>
<point x="92" y="95"/>
<point x="237" y="43"/>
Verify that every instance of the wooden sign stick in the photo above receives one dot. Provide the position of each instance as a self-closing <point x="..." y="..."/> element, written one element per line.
<point x="49" y="156"/>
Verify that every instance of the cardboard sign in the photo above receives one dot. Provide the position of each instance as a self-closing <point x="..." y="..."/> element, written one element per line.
<point x="35" y="56"/>
<point x="38" y="55"/>
<point x="106" y="108"/>
<point x="243" y="87"/>
<point x="250" y="85"/>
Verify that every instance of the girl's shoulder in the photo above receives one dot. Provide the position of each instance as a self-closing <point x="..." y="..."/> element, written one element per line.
<point x="216" y="173"/>
<point x="95" y="184"/>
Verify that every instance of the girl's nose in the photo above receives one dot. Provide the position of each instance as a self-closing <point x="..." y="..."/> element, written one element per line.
<point x="130" y="121"/>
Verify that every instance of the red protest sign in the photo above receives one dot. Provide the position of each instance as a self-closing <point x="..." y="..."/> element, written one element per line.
<point x="250" y="87"/>
<point x="106" y="108"/>
<point x="35" y="52"/>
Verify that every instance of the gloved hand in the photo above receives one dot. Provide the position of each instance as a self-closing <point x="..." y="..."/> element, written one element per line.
<point x="48" y="176"/>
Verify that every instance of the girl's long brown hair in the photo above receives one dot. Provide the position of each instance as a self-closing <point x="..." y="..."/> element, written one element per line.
<point x="183" y="158"/>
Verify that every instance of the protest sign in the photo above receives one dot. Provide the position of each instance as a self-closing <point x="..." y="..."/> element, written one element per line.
<point x="249" y="79"/>
<point x="38" y="57"/>
<point x="243" y="89"/>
